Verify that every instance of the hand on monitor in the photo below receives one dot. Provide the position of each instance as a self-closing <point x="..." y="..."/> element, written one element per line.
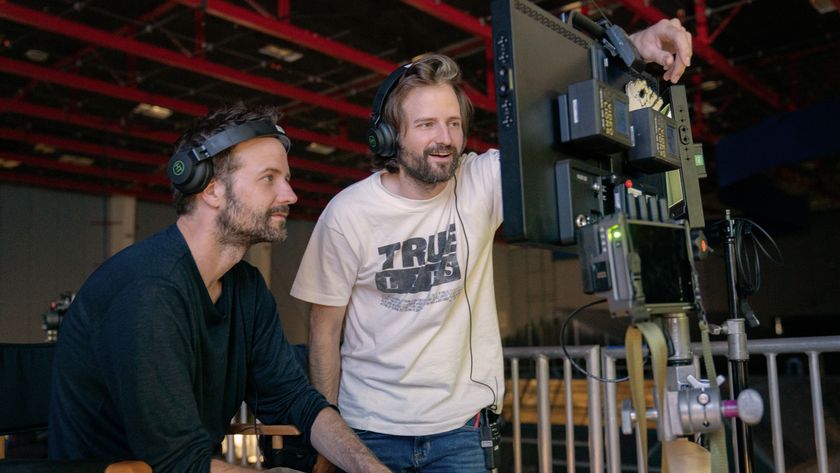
<point x="666" y="43"/>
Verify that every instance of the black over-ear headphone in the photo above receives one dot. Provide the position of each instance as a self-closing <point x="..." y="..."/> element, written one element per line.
<point x="381" y="136"/>
<point x="190" y="170"/>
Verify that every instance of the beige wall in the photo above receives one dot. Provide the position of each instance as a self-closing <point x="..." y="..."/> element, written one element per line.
<point x="51" y="241"/>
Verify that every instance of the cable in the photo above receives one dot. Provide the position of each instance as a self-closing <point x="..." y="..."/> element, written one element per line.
<point x="467" y="296"/>
<point x="566" y="353"/>
<point x="747" y="247"/>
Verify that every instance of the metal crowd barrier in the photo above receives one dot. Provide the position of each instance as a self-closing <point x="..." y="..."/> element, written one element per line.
<point x="603" y="439"/>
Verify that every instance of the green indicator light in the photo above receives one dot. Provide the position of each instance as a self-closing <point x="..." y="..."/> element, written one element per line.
<point x="614" y="233"/>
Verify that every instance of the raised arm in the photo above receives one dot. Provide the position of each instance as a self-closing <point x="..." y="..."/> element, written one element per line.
<point x="666" y="43"/>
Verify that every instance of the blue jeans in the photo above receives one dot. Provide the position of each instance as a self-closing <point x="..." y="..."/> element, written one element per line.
<point x="458" y="450"/>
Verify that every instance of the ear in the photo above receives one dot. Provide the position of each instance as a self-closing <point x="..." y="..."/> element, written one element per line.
<point x="214" y="194"/>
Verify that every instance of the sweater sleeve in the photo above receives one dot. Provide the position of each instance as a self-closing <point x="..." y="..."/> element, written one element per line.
<point x="278" y="389"/>
<point x="145" y="346"/>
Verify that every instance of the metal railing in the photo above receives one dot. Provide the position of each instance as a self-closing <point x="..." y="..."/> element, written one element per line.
<point x="604" y="439"/>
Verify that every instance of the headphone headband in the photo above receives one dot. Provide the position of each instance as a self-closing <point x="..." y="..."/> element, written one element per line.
<point x="189" y="169"/>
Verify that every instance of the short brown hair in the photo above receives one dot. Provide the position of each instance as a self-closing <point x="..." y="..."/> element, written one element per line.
<point x="428" y="70"/>
<point x="207" y="126"/>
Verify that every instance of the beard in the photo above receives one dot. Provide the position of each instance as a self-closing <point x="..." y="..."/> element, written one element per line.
<point x="242" y="226"/>
<point x="419" y="167"/>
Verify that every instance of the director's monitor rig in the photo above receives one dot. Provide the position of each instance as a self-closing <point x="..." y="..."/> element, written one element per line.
<point x="594" y="155"/>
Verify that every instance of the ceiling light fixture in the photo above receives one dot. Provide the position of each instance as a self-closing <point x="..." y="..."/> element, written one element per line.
<point x="283" y="54"/>
<point x="43" y="148"/>
<point x="77" y="160"/>
<point x="318" y="148"/>
<point x="153" y="111"/>
<point x="8" y="163"/>
<point x="36" y="55"/>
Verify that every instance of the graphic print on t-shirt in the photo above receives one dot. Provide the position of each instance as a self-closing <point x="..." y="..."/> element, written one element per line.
<point x="416" y="265"/>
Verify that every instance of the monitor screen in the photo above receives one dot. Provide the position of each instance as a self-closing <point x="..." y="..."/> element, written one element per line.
<point x="666" y="268"/>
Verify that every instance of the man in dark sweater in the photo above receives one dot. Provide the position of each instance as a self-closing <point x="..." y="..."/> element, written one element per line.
<point x="168" y="337"/>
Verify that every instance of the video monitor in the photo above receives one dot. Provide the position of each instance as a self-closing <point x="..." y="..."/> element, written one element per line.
<point x="640" y="267"/>
<point x="571" y="133"/>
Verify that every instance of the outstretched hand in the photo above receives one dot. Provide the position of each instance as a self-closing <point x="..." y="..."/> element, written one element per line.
<point x="666" y="43"/>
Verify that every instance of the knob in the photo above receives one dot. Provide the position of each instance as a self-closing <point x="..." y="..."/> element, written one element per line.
<point x="749" y="407"/>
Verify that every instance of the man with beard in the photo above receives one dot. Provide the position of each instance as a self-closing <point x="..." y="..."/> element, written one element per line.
<point x="168" y="337"/>
<point x="401" y="263"/>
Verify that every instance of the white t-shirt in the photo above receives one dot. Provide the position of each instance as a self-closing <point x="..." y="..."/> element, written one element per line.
<point x="401" y="267"/>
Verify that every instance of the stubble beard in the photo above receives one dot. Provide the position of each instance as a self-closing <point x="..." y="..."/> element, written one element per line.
<point x="419" y="168"/>
<point x="240" y="226"/>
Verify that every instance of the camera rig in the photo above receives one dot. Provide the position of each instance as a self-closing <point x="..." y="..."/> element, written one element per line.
<point x="596" y="159"/>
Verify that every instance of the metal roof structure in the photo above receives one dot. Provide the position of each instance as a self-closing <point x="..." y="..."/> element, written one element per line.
<point x="94" y="93"/>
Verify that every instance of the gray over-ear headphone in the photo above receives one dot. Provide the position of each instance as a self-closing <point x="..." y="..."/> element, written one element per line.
<point x="190" y="170"/>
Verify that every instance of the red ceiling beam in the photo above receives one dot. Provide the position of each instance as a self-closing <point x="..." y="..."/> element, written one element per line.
<point x="288" y="32"/>
<point x="99" y="172"/>
<point x="75" y="146"/>
<point x="470" y="24"/>
<point x="323" y="168"/>
<point x="453" y="16"/>
<point x="308" y="39"/>
<point x="76" y="81"/>
<point x="124" y="30"/>
<point x="173" y="59"/>
<point x="102" y="124"/>
<point x="163" y="197"/>
<point x="723" y="24"/>
<point x="132" y="94"/>
<point x="329" y="140"/>
<point x="80" y="186"/>
<point x="158" y="160"/>
<point x="97" y="123"/>
<point x="715" y="59"/>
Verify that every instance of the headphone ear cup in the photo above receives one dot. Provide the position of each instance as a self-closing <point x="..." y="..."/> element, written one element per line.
<point x="202" y="173"/>
<point x="383" y="140"/>
<point x="188" y="176"/>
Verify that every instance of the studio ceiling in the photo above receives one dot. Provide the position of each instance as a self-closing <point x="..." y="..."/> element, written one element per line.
<point x="73" y="73"/>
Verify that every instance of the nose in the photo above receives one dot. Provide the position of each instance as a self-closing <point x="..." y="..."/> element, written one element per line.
<point x="286" y="195"/>
<point x="444" y="135"/>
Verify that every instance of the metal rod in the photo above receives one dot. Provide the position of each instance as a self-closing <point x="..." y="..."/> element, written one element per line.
<point x="743" y="433"/>
<point x="570" y="416"/>
<point x="611" y="414"/>
<point x="517" y="419"/>
<point x="819" y="419"/>
<point x="596" y="428"/>
<point x="731" y="270"/>
<point x="543" y="416"/>
<point x="775" y="414"/>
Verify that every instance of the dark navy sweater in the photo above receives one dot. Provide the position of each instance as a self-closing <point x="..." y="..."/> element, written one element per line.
<point x="148" y="368"/>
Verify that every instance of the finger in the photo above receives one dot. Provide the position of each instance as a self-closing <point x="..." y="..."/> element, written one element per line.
<point x="688" y="39"/>
<point x="681" y="39"/>
<point x="677" y="71"/>
<point x="665" y="59"/>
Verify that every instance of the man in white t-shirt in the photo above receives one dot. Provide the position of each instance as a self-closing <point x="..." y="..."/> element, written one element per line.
<point x="401" y="263"/>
